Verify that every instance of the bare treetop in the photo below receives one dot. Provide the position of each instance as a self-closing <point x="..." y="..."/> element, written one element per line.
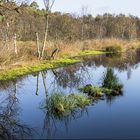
<point x="48" y="4"/>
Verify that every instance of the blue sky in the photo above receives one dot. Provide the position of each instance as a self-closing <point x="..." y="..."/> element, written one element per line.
<point x="97" y="6"/>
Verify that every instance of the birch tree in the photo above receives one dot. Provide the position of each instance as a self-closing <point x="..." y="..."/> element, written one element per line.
<point x="48" y="6"/>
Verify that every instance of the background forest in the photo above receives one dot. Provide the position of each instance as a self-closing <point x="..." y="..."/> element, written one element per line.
<point x="26" y="19"/>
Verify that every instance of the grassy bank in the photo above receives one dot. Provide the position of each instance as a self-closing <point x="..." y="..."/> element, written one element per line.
<point x="26" y="61"/>
<point x="15" y="72"/>
<point x="9" y="73"/>
<point x="27" y="51"/>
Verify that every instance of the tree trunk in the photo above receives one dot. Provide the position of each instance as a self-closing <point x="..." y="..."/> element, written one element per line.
<point x="15" y="44"/>
<point x="7" y="36"/>
<point x="38" y="46"/>
<point x="44" y="82"/>
<point x="37" y="84"/>
<point x="46" y="36"/>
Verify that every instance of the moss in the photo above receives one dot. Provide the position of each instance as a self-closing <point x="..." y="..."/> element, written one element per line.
<point x="64" y="61"/>
<point x="43" y="65"/>
<point x="60" y="104"/>
<point x="85" y="53"/>
<point x="16" y="72"/>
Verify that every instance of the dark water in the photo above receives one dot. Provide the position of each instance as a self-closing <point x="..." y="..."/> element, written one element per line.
<point x="21" y="115"/>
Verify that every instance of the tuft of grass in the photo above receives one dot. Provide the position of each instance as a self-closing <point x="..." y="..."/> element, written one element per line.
<point x="110" y="86"/>
<point x="93" y="91"/>
<point x="59" y="104"/>
<point x="111" y="83"/>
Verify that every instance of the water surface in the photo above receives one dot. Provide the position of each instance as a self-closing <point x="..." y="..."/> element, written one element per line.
<point x="111" y="118"/>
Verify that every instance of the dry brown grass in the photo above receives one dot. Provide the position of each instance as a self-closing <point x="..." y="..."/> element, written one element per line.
<point x="27" y="51"/>
<point x="74" y="48"/>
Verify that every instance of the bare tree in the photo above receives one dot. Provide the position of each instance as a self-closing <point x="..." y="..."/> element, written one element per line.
<point x="48" y="6"/>
<point x="15" y="43"/>
<point x="83" y="14"/>
<point x="7" y="36"/>
<point x="38" y="45"/>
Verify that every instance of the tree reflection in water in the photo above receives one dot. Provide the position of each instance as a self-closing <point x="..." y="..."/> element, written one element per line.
<point x="69" y="77"/>
<point x="52" y="122"/>
<point x="72" y="76"/>
<point x="78" y="75"/>
<point x="121" y="62"/>
<point x="10" y="125"/>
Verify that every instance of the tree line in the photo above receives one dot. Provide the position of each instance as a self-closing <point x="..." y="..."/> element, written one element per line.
<point x="27" y="19"/>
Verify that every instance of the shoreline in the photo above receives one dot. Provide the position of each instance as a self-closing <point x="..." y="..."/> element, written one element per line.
<point x="15" y="72"/>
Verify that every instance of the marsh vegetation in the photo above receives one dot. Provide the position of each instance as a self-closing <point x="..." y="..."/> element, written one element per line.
<point x="111" y="86"/>
<point x="28" y="32"/>
<point x="60" y="105"/>
<point x="60" y="113"/>
<point x="61" y="73"/>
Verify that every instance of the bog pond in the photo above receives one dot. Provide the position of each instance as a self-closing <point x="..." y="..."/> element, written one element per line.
<point x="22" y="114"/>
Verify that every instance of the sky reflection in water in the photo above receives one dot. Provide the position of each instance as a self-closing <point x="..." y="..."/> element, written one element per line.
<point x="118" y="117"/>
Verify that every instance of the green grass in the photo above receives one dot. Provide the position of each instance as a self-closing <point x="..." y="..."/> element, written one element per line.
<point x="59" y="104"/>
<point x="65" y="61"/>
<point x="85" y="53"/>
<point x="16" y="72"/>
<point x="13" y="73"/>
<point x="93" y="91"/>
<point x="110" y="86"/>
